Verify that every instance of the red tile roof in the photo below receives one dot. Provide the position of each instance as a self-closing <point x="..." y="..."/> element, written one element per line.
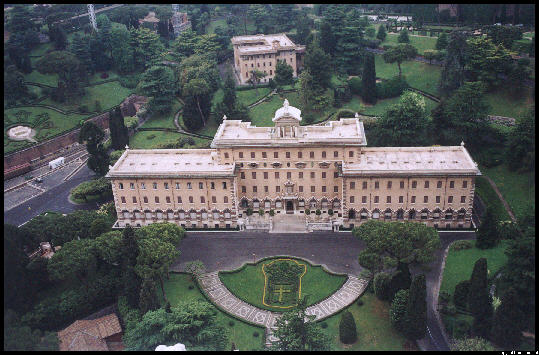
<point x="84" y="335"/>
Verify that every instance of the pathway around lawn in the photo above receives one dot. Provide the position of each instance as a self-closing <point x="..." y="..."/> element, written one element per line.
<point x="224" y="299"/>
<point x="505" y="204"/>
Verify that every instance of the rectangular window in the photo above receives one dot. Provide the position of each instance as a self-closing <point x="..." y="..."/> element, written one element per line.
<point x="352" y="185"/>
<point x="376" y="185"/>
<point x="401" y="199"/>
<point x="168" y="199"/>
<point x="200" y="186"/>
<point x="271" y="71"/>
<point x="190" y="199"/>
<point x="276" y="154"/>
<point x="323" y="175"/>
<point x="214" y="199"/>
<point x="464" y="184"/>
<point x="364" y="185"/>
<point x="224" y="185"/>
<point x="189" y="186"/>
<point x="426" y="184"/>
<point x="123" y="199"/>
<point x="402" y="184"/>
<point x="425" y="199"/>
<point x="451" y="184"/>
<point x="143" y="186"/>
<point x="323" y="154"/>
<point x="242" y="175"/>
<point x="376" y="199"/>
<point x="177" y="186"/>
<point x="252" y="155"/>
<point x="300" y="175"/>
<point x="312" y="189"/>
<point x="287" y="155"/>
<point x="276" y="174"/>
<point x="351" y="154"/>
<point x="388" y="199"/>
<point x="312" y="174"/>
<point x="265" y="174"/>
<point x="131" y="186"/>
<point x="300" y="155"/>
<point x="389" y="183"/>
<point x="255" y="189"/>
<point x="277" y="189"/>
<point x="145" y="199"/>
<point x="335" y="175"/>
<point x="212" y="185"/>
<point x="166" y="185"/>
<point x="121" y="186"/>
<point x="243" y="189"/>
<point x="414" y="184"/>
<point x="241" y="155"/>
<point x="179" y="199"/>
<point x="134" y="199"/>
<point x="155" y="186"/>
<point x="462" y="199"/>
<point x="437" y="199"/>
<point x="264" y="155"/>
<point x="266" y="189"/>
<point x="323" y="189"/>
<point x="300" y="188"/>
<point x="351" y="199"/>
<point x="156" y="199"/>
<point x="413" y="199"/>
<point x="439" y="185"/>
<point x="288" y="175"/>
<point x="335" y="188"/>
<point x="225" y="199"/>
<point x="226" y="155"/>
<point x="311" y="154"/>
<point x="253" y="175"/>
<point x="449" y="199"/>
<point x="363" y="199"/>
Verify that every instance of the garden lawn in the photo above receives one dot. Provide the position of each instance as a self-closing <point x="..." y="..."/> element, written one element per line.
<point x="143" y="140"/>
<point x="45" y="79"/>
<point x="490" y="198"/>
<point x="241" y="333"/>
<point x="381" y="105"/>
<point x="518" y="189"/>
<point x="459" y="264"/>
<point x="422" y="76"/>
<point x="213" y="24"/>
<point x="41" y="49"/>
<point x="164" y="120"/>
<point x="248" y="284"/>
<point x="96" y="77"/>
<point x="421" y="43"/>
<point x="248" y="97"/>
<point x="374" y="330"/>
<point x="503" y="104"/>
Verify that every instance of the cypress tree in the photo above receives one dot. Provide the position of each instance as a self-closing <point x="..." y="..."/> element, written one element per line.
<point x="397" y="312"/>
<point x="460" y="296"/>
<point x="113" y="128"/>
<point x="131" y="281"/>
<point x="505" y="329"/>
<point x="123" y="133"/>
<point x="382" y="34"/>
<point x="347" y="328"/>
<point x="369" y="80"/>
<point x="487" y="235"/>
<point x="382" y="286"/>
<point x="416" y="310"/>
<point x="478" y="282"/>
<point x="401" y="279"/>
<point x="441" y="42"/>
<point x="479" y="301"/>
<point x="148" y="296"/>
<point x="229" y="97"/>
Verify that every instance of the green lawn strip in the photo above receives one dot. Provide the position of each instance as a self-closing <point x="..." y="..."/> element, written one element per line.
<point x="503" y="104"/>
<point x="419" y="75"/>
<point x="373" y="326"/>
<point x="248" y="97"/>
<point x="421" y="43"/>
<point x="217" y="97"/>
<point x="41" y="49"/>
<point x="96" y="77"/>
<point x="13" y="146"/>
<point x="317" y="283"/>
<point x="262" y="113"/>
<point x="381" y="105"/>
<point x="490" y="198"/>
<point x="518" y="189"/>
<point x="37" y="77"/>
<point x="142" y="140"/>
<point x="241" y="333"/>
<point x="164" y="120"/>
<point x="459" y="264"/>
<point x="213" y="24"/>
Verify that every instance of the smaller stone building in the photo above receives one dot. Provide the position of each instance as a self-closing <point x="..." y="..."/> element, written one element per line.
<point x="101" y="334"/>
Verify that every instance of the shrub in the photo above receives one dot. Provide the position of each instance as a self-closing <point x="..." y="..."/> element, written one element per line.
<point x="372" y="43"/>
<point x="255" y="334"/>
<point x="359" y="302"/>
<point x="231" y="323"/>
<point x="249" y="211"/>
<point x="382" y="286"/>
<point x="261" y="212"/>
<point x="130" y="122"/>
<point x="397" y="312"/>
<point x="324" y="325"/>
<point x="307" y="211"/>
<point x="330" y="212"/>
<point x="318" y="212"/>
<point x="150" y="137"/>
<point x="444" y="297"/>
<point x="191" y="287"/>
<point x="104" y="75"/>
<point x="460" y="297"/>
<point x="355" y="85"/>
<point x="461" y="329"/>
<point x="347" y="328"/>
<point x="83" y="108"/>
<point x="346" y="113"/>
<point x="272" y="212"/>
<point x="462" y="244"/>
<point x="129" y="81"/>
<point x="391" y="88"/>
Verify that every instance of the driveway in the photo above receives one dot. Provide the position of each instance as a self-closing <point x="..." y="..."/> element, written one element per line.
<point x="338" y="252"/>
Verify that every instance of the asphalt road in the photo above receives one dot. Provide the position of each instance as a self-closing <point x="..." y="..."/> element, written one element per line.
<point x="55" y="199"/>
<point x="338" y="252"/>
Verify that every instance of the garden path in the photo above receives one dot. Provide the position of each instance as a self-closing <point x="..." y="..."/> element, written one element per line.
<point x="225" y="300"/>
<point x="505" y="204"/>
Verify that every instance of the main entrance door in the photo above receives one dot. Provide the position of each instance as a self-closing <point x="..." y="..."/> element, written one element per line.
<point x="289" y="207"/>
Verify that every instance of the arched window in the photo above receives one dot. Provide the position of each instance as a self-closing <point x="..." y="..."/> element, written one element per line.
<point x="227" y="214"/>
<point x="192" y="214"/>
<point x="215" y="214"/>
<point x="436" y="213"/>
<point x="159" y="214"/>
<point x="461" y="214"/>
<point x="364" y="214"/>
<point x="170" y="214"/>
<point x="449" y="214"/>
<point x="312" y="204"/>
<point x="400" y="213"/>
<point x="411" y="214"/>
<point x="126" y="214"/>
<point x="387" y="214"/>
<point x="351" y="214"/>
<point x="204" y="214"/>
<point x="256" y="204"/>
<point x="137" y="213"/>
<point x="376" y="214"/>
<point x="324" y="203"/>
<point x="148" y="214"/>
<point x="336" y="204"/>
<point x="244" y="203"/>
<point x="181" y="214"/>
<point x="278" y="204"/>
<point x="424" y="214"/>
<point x="267" y="204"/>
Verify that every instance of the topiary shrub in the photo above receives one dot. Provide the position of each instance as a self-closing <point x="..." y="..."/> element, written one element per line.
<point x="382" y="286"/>
<point x="249" y="211"/>
<point x="191" y="287"/>
<point x="255" y="334"/>
<point x="347" y="328"/>
<point x="318" y="212"/>
<point x="324" y="325"/>
<point x="460" y="297"/>
<point x="359" y="302"/>
<point x="330" y="212"/>
<point x="307" y="211"/>
<point x="231" y="323"/>
<point x="261" y="212"/>
<point x="272" y="212"/>
<point x="462" y="244"/>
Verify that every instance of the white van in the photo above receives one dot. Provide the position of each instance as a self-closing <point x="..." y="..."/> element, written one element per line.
<point x="53" y="164"/>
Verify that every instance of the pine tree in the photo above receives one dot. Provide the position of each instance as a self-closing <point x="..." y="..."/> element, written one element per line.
<point x="229" y="97"/>
<point x="382" y="34"/>
<point x="148" y="296"/>
<point x="416" y="310"/>
<point x="403" y="37"/>
<point x="479" y="301"/>
<point x="441" y="42"/>
<point x="382" y="286"/>
<point x="369" y="80"/>
<point x="283" y="73"/>
<point x="505" y="329"/>
<point x="347" y="328"/>
<point x="401" y="279"/>
<point x="460" y="296"/>
<point x="487" y="235"/>
<point x="327" y="38"/>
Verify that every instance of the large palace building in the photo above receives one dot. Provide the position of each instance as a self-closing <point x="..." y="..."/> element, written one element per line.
<point x="261" y="52"/>
<point x="290" y="168"/>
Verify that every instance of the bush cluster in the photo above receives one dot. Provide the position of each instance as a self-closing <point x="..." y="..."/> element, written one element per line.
<point x="460" y="297"/>
<point x="347" y="328"/>
<point x="462" y="244"/>
<point x="355" y="85"/>
<point x="391" y="88"/>
<point x="346" y="113"/>
<point x="129" y="81"/>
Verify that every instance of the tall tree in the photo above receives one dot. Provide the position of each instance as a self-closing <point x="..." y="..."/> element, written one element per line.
<point x="506" y="330"/>
<point x="76" y="260"/>
<point x="255" y="77"/>
<point x="327" y="39"/>
<point x="148" y="300"/>
<point x="397" y="312"/>
<point x="283" y="73"/>
<point x="59" y="37"/>
<point x="487" y="234"/>
<point x="118" y="130"/>
<point x="229" y="92"/>
<point x="147" y="47"/>
<point x="318" y="64"/>
<point x="80" y="46"/>
<point x="66" y="65"/>
<point x="121" y="51"/>
<point x="520" y="151"/>
<point x="441" y="42"/>
<point x="368" y="80"/>
<point x="403" y="36"/>
<point x="14" y="87"/>
<point x="381" y="34"/>
<point x="297" y="331"/>
<point x="479" y="301"/>
<point x="197" y="88"/>
<point x="92" y="135"/>
<point x="159" y="84"/>
<point x="416" y="309"/>
<point x="399" y="54"/>
<point x="453" y="72"/>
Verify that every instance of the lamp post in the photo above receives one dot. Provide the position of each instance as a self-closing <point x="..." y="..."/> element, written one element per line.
<point x="254" y="256"/>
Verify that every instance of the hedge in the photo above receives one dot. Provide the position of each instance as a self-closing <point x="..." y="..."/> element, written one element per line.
<point x="347" y="328"/>
<point x="391" y="88"/>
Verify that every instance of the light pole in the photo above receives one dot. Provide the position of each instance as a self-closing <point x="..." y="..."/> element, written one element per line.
<point x="254" y="256"/>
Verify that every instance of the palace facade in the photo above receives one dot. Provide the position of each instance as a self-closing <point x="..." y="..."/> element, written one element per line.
<point x="290" y="168"/>
<point x="261" y="52"/>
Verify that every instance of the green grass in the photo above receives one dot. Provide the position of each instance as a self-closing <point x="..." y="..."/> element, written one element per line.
<point x="528" y="34"/>
<point x="248" y="284"/>
<point x="503" y="104"/>
<point x="489" y="197"/>
<point x="164" y="120"/>
<point x="419" y="75"/>
<point x="41" y="49"/>
<point x="213" y="24"/>
<point x="241" y="333"/>
<point x="421" y="43"/>
<point x="217" y="97"/>
<point x="459" y="264"/>
<point x="518" y="189"/>
<point x="45" y="79"/>
<point x="140" y="140"/>
<point x="96" y="78"/>
<point x="248" y="97"/>
<point x="374" y="329"/>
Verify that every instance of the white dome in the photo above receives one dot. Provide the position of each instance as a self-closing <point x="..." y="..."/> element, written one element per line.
<point x="287" y="110"/>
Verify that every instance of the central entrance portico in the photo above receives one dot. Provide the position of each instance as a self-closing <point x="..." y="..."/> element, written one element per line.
<point x="289" y="206"/>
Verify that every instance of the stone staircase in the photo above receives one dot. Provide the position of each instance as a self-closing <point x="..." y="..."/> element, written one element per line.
<point x="289" y="223"/>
